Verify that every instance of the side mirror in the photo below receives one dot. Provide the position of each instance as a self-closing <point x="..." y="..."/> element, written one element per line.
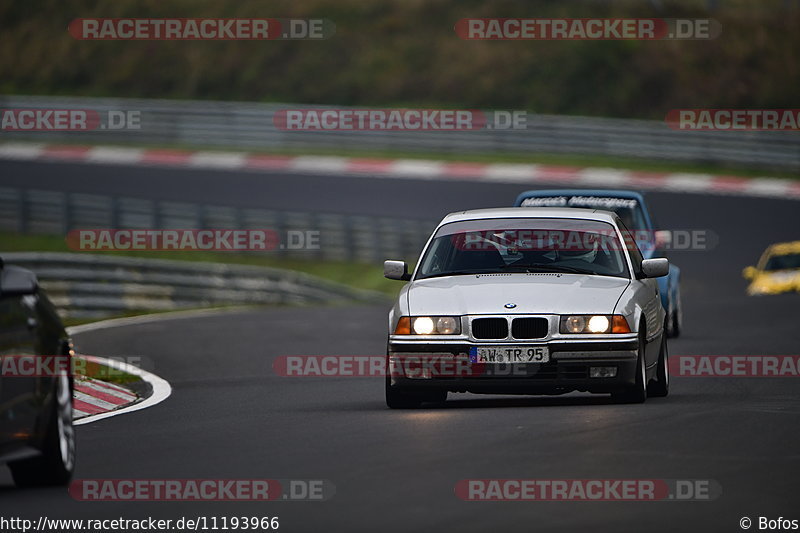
<point x="655" y="268"/>
<point x="396" y="270"/>
<point x="663" y="239"/>
<point x="749" y="273"/>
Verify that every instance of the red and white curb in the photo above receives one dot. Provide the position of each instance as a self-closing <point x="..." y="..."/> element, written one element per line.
<point x="527" y="174"/>
<point x="95" y="400"/>
<point x="92" y="397"/>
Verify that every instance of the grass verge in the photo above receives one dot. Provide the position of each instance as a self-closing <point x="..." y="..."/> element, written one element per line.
<point x="85" y="369"/>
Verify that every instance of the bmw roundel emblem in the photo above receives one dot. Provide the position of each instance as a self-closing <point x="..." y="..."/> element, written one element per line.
<point x="510" y="306"/>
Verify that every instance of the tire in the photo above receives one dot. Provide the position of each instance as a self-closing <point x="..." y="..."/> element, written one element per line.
<point x="675" y="319"/>
<point x="396" y="399"/>
<point x="659" y="387"/>
<point x="636" y="393"/>
<point x="56" y="464"/>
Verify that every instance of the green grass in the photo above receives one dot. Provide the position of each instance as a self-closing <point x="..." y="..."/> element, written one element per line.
<point x="357" y="275"/>
<point x="87" y="369"/>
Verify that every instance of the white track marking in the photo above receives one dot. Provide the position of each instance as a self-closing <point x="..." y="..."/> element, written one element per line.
<point x="154" y="317"/>
<point x="119" y="156"/>
<point x="312" y="163"/>
<point x="416" y="168"/>
<point x="689" y="182"/>
<point x="511" y="173"/>
<point x="768" y="187"/>
<point x="603" y="177"/>
<point x="21" y="151"/>
<point x="231" y="160"/>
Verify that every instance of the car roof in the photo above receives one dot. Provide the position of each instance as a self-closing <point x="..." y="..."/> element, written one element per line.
<point x="16" y="280"/>
<point x="783" y="248"/>
<point x="531" y="212"/>
<point x="603" y="193"/>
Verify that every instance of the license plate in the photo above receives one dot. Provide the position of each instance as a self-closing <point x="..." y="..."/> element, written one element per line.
<point x="509" y="354"/>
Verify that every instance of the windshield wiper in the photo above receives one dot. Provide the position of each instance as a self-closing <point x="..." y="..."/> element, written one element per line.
<point x="462" y="273"/>
<point x="550" y="268"/>
<point x="503" y="268"/>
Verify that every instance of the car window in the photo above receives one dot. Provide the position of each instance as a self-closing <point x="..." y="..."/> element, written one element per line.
<point x="632" y="217"/>
<point x="524" y="245"/>
<point x="633" y="248"/>
<point x="783" y="262"/>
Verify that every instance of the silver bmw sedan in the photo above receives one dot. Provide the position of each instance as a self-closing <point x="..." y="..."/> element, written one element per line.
<point x="540" y="301"/>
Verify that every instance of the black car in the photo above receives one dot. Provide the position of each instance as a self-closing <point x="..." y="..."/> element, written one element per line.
<point x="37" y="438"/>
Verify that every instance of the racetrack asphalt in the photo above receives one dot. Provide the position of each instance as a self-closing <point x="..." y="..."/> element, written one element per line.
<point x="231" y="417"/>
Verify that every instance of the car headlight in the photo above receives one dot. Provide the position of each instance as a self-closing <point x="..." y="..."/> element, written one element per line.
<point x="428" y="325"/>
<point x="423" y="325"/>
<point x="594" y="324"/>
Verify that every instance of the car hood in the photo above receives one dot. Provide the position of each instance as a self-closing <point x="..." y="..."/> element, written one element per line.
<point x="776" y="282"/>
<point x="537" y="293"/>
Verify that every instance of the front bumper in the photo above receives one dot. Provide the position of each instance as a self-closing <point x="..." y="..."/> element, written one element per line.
<point x="446" y="366"/>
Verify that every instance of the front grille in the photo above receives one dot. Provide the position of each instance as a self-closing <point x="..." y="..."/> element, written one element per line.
<point x="490" y="328"/>
<point x="529" y="328"/>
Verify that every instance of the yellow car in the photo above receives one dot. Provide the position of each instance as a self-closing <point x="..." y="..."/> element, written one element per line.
<point x="778" y="270"/>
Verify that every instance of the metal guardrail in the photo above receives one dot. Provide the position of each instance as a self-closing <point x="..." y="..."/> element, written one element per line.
<point x="363" y="239"/>
<point x="250" y="126"/>
<point x="85" y="285"/>
<point x="95" y="286"/>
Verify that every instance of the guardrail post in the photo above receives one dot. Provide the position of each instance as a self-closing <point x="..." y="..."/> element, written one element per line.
<point x="349" y="238"/>
<point x="23" y="210"/>
<point x="115" y="215"/>
<point x="281" y="229"/>
<point x="67" y="215"/>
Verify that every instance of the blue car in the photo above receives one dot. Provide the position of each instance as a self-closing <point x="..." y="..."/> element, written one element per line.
<point x="631" y="208"/>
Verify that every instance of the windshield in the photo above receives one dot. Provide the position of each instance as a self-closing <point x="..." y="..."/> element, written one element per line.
<point x="524" y="245"/>
<point x="783" y="262"/>
<point x="628" y="209"/>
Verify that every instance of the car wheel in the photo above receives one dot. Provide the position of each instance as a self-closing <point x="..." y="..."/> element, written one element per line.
<point x="659" y="387"/>
<point x="675" y="319"/>
<point x="636" y="393"/>
<point x="57" y="462"/>
<point x="397" y="399"/>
